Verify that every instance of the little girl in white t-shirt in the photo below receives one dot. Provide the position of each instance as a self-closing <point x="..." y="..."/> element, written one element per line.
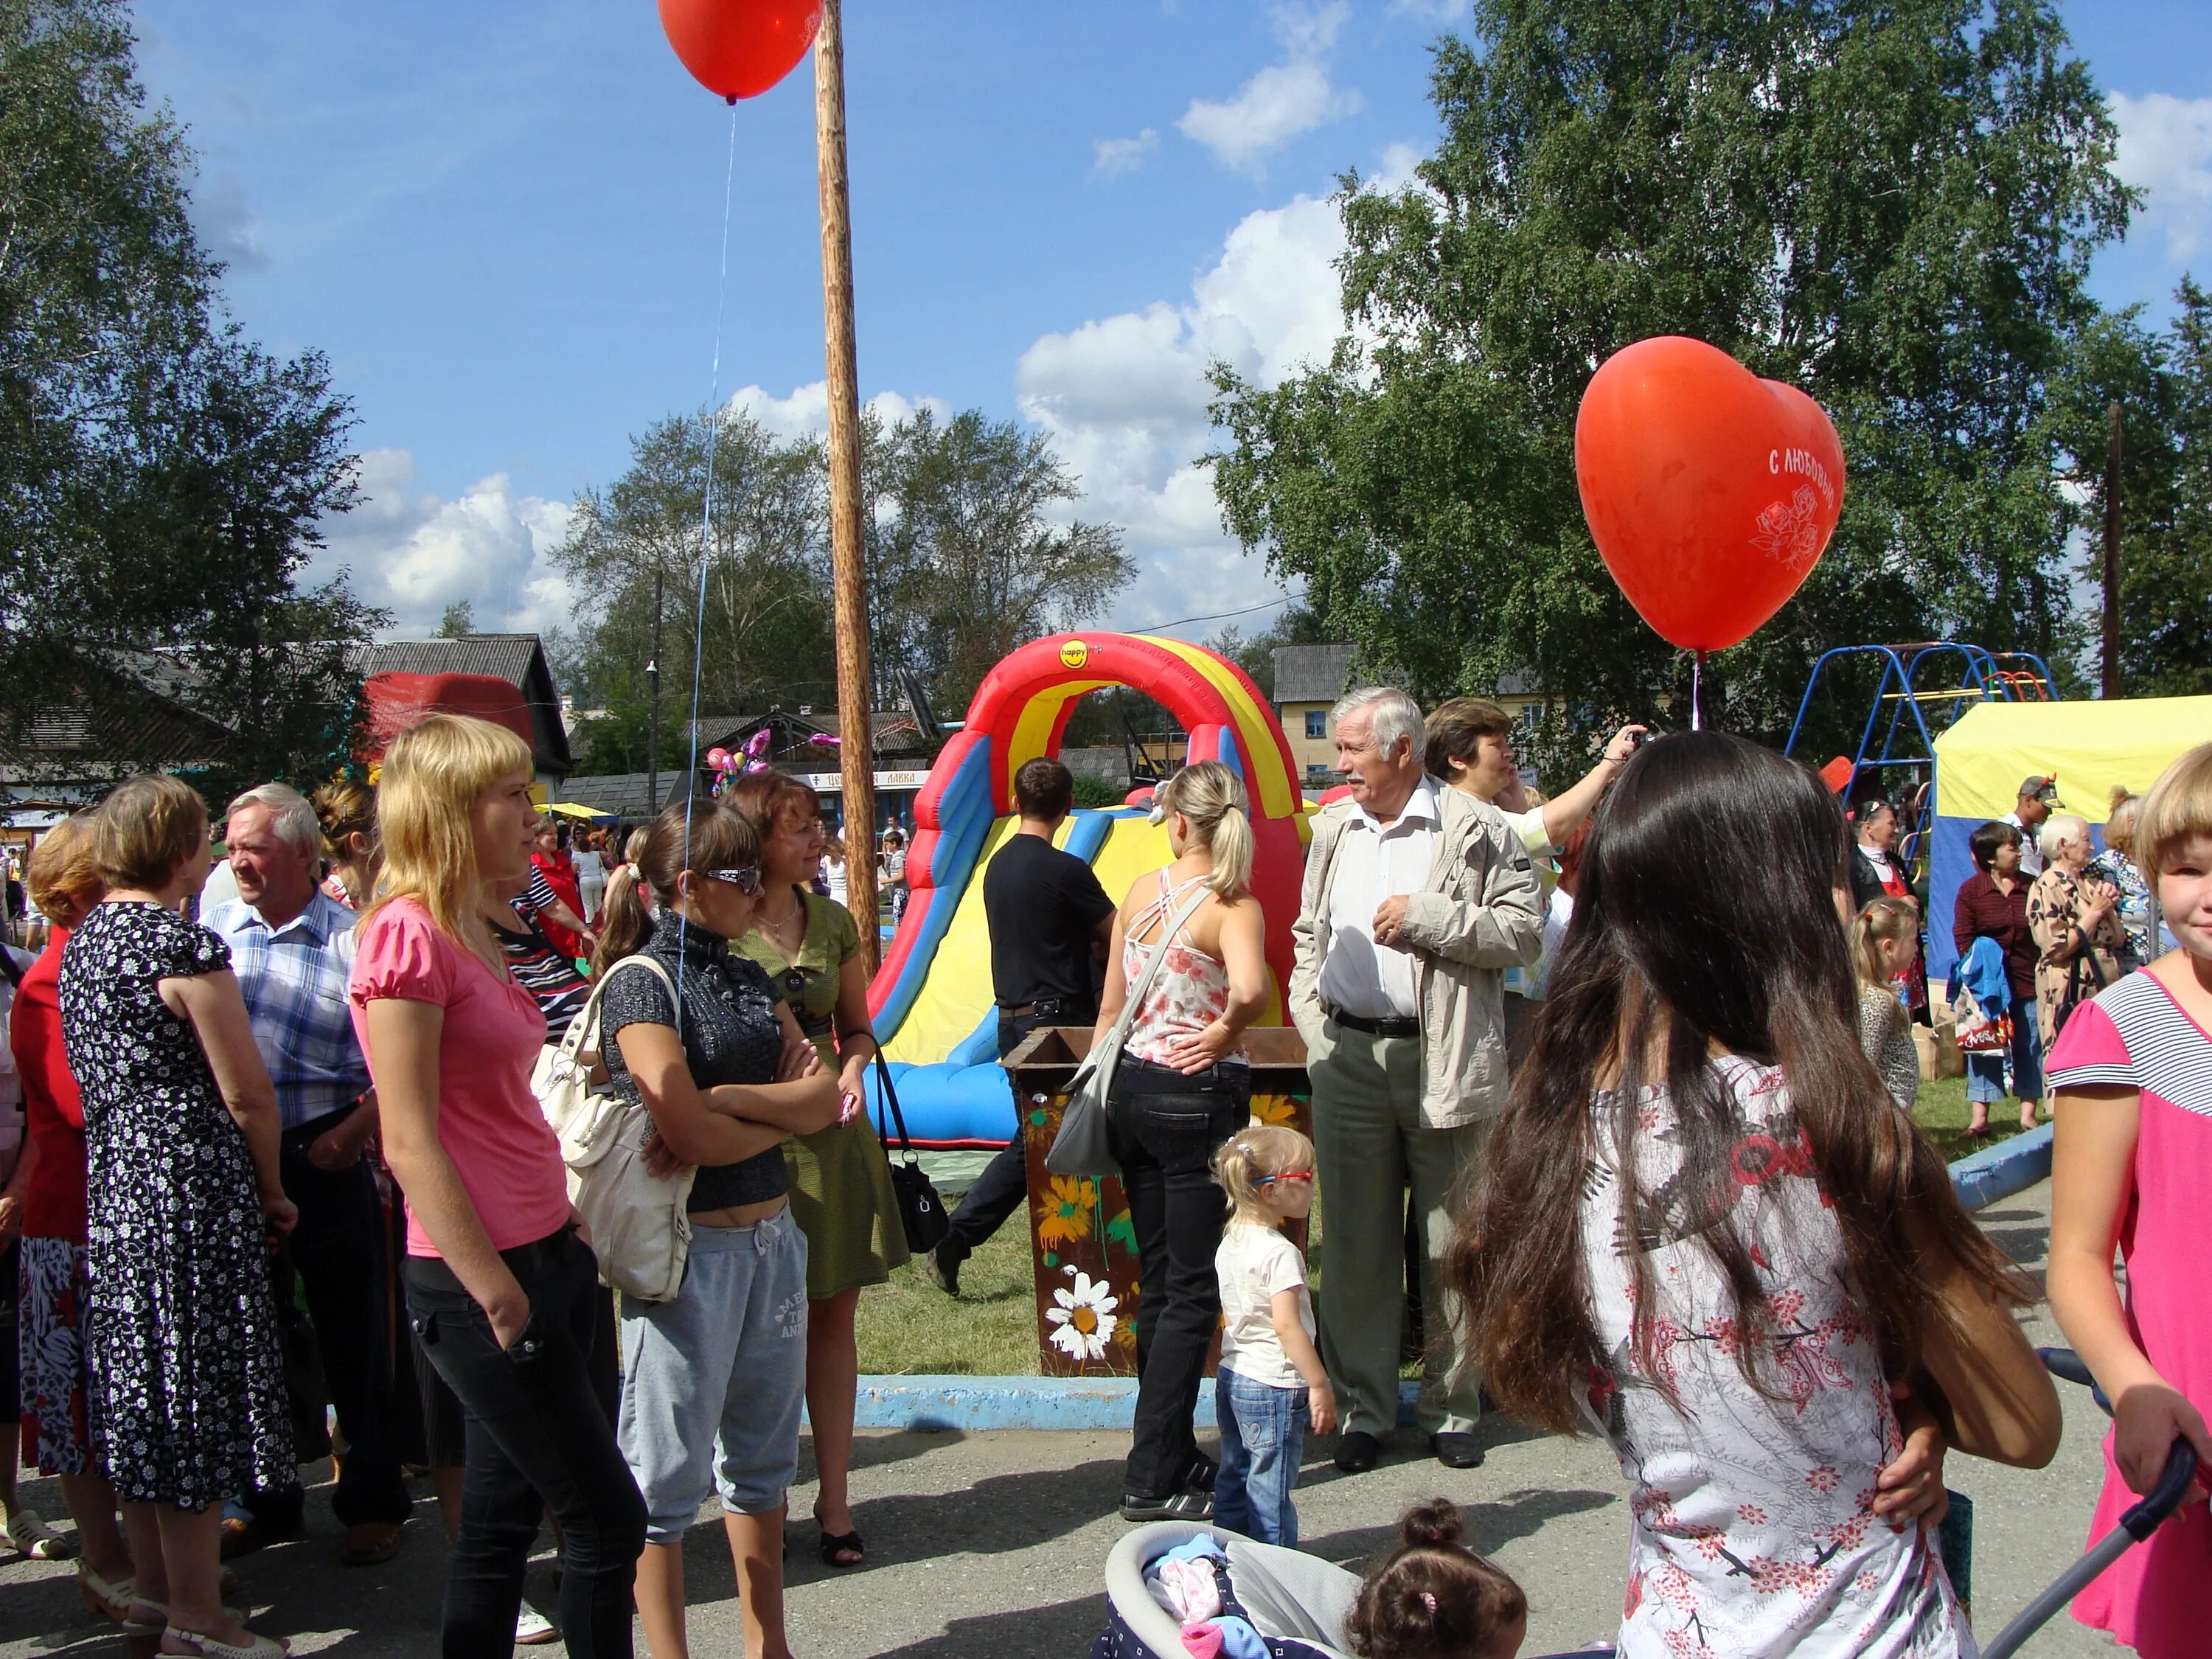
<point x="1272" y="1381"/>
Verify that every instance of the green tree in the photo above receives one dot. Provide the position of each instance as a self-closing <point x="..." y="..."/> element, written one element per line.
<point x="161" y="479"/>
<point x="2162" y="381"/>
<point x="459" y="622"/>
<point x="1892" y="206"/>
<point x="965" y="558"/>
<point x="765" y="575"/>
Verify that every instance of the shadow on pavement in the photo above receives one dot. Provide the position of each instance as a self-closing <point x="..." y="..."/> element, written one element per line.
<point x="1062" y="1631"/>
<point x="872" y="1449"/>
<point x="1490" y="1526"/>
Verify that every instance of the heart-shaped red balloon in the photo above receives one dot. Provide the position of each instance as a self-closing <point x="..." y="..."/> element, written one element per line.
<point x="1711" y="493"/>
<point x="740" y="48"/>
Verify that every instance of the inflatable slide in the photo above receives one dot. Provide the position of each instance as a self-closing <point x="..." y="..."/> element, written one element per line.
<point x="931" y="1000"/>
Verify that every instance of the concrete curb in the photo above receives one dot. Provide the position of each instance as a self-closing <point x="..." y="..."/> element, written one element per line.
<point x="974" y="1405"/>
<point x="2000" y="1171"/>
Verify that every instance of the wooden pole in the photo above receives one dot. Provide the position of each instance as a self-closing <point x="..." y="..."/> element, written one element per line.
<point x="2113" y="552"/>
<point x="848" y="568"/>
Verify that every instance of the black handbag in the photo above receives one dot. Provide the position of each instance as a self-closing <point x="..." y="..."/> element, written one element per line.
<point x="921" y="1211"/>
<point x="2085" y="978"/>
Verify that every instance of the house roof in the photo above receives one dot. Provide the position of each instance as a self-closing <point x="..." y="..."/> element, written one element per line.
<point x="1312" y="673"/>
<point x="518" y="659"/>
<point x="623" y="793"/>
<point x="893" y="730"/>
<point x="100" y="717"/>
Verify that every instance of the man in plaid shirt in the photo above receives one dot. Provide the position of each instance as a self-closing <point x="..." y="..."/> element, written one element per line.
<point x="292" y="948"/>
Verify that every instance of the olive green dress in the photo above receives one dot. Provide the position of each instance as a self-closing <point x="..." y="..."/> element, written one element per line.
<point x="840" y="1182"/>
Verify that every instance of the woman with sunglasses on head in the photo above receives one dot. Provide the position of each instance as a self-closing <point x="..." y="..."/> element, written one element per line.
<point x="714" y="1378"/>
<point x="840" y="1182"/>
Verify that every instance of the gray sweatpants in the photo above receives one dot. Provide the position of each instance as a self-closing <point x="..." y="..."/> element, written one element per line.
<point x="715" y="1380"/>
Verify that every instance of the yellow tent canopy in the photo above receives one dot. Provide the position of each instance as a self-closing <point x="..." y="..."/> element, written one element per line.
<point x="2090" y="747"/>
<point x="571" y="809"/>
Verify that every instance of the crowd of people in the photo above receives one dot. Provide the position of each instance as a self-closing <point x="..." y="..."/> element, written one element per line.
<point x="1616" y="1086"/>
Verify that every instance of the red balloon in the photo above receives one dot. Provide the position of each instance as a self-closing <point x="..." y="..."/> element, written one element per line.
<point x="1711" y="494"/>
<point x="740" y="48"/>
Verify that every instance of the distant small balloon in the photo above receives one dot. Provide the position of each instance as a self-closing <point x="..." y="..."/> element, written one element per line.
<point x="740" y="48"/>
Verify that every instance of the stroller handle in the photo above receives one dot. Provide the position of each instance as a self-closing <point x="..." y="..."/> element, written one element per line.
<point x="2163" y="1498"/>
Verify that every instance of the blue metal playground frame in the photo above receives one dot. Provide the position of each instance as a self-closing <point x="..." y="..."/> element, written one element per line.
<point x="1907" y="740"/>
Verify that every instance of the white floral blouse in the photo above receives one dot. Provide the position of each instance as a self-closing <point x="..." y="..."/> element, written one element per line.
<point x="1753" y="1529"/>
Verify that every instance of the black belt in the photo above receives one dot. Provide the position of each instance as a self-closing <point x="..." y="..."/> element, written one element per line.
<point x="1390" y="1026"/>
<point x="1049" y="1007"/>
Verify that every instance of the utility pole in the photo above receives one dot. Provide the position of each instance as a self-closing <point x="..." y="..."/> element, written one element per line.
<point x="848" y="571"/>
<point x="652" y="723"/>
<point x="2113" y="552"/>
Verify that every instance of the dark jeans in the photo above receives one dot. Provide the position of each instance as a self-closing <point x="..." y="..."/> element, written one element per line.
<point x="537" y="1439"/>
<point x="1164" y="1129"/>
<point x="1004" y="1185"/>
<point x="337" y="1253"/>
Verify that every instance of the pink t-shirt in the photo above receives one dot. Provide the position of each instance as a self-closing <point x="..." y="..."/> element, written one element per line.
<point x="489" y="1120"/>
<point x="2136" y="1035"/>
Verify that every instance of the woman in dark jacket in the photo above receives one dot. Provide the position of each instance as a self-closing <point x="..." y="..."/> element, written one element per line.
<point x="1992" y="903"/>
<point x="1877" y="872"/>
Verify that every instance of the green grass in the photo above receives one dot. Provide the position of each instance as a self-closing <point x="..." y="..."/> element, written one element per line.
<point x="910" y="1328"/>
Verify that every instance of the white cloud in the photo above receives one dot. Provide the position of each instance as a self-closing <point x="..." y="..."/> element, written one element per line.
<point x="414" y="552"/>
<point x="804" y="413"/>
<point x="1283" y="99"/>
<point x="1119" y="155"/>
<point x="1123" y="399"/>
<point x="1436" y="11"/>
<point x="2165" y="150"/>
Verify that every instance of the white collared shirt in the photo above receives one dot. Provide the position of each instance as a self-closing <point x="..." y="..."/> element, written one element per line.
<point x="2030" y="855"/>
<point x="1374" y="862"/>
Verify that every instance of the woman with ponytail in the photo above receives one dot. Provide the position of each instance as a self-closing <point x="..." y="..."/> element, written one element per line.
<point x="1181" y="1089"/>
<point x="1704" y="1230"/>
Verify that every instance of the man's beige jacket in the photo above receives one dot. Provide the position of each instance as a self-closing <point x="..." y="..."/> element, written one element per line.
<point x="1480" y="913"/>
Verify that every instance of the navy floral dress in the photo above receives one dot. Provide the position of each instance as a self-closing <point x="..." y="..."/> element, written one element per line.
<point x="188" y="1404"/>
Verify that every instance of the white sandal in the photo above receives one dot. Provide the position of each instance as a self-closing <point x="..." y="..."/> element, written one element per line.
<point x="206" y="1647"/>
<point x="111" y="1598"/>
<point x="28" y="1532"/>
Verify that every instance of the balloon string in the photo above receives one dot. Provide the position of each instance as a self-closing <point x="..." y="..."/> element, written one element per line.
<point x="1697" y="672"/>
<point x="707" y="525"/>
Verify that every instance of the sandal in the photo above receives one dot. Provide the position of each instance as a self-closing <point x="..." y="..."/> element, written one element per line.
<point x="28" y="1532"/>
<point x="190" y="1643"/>
<point x="834" y="1545"/>
<point x="109" y="1597"/>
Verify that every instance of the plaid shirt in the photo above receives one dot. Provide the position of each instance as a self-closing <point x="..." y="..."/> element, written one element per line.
<point x="294" y="979"/>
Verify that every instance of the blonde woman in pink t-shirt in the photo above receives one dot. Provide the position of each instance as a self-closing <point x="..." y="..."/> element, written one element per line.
<point x="500" y="1288"/>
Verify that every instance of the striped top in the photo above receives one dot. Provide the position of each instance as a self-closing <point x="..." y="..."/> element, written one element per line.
<point x="2136" y="1035"/>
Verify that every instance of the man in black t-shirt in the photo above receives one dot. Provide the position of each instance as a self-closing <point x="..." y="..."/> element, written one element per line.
<point x="1050" y="921"/>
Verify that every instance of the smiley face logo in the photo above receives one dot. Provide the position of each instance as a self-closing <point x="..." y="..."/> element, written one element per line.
<point x="1073" y="653"/>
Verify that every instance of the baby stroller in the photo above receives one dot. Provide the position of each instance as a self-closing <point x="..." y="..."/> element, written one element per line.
<point x="1298" y="1602"/>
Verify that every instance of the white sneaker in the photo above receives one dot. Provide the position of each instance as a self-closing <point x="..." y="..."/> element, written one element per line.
<point x="532" y="1627"/>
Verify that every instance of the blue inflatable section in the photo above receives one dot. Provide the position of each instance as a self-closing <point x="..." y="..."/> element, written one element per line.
<point x="964" y="1100"/>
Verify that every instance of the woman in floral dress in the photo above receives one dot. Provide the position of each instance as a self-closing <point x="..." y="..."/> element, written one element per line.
<point x="1764" y="1237"/>
<point x="2072" y="916"/>
<point x="188" y="1400"/>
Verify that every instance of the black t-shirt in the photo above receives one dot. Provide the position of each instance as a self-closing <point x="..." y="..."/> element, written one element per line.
<point x="1043" y="906"/>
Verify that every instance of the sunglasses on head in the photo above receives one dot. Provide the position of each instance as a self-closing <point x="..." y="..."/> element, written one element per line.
<point x="745" y="879"/>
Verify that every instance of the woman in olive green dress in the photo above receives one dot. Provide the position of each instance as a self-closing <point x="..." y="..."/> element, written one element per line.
<point x="840" y="1182"/>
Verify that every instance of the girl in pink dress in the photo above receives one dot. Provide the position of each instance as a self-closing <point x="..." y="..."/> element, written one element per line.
<point x="2133" y="1166"/>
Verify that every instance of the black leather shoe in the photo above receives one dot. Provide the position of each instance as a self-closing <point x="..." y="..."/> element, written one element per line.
<point x="1456" y="1449"/>
<point x="943" y="1270"/>
<point x="1357" y="1451"/>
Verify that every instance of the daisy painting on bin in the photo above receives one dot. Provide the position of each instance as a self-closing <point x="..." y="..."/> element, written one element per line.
<point x="1083" y="1324"/>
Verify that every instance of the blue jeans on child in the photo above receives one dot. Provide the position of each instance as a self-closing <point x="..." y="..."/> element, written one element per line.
<point x="1986" y="1073"/>
<point x="1263" y="1436"/>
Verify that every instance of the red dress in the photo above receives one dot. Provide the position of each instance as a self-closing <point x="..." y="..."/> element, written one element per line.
<point x="53" y="1112"/>
<point x="561" y="876"/>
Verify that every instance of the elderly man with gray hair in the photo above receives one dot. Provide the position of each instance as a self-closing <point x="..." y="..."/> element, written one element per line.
<point x="1416" y="901"/>
<point x="292" y="947"/>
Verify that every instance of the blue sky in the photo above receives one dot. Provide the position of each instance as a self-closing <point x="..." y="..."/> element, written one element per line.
<point x="500" y="221"/>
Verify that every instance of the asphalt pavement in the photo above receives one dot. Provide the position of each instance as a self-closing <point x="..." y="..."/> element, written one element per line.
<point x="992" y="1546"/>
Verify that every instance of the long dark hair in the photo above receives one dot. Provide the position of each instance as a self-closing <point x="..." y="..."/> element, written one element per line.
<point x="1705" y="914"/>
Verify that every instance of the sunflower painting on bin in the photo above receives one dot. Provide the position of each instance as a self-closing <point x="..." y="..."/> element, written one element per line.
<point x="1065" y="1208"/>
<point x="1277" y="1111"/>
